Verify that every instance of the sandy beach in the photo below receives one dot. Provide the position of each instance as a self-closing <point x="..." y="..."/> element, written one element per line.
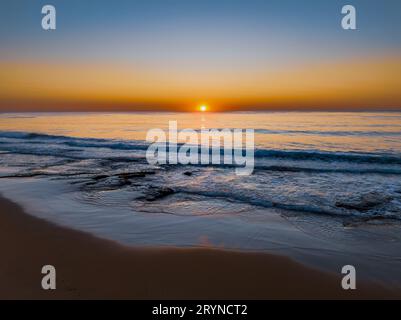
<point x="92" y="268"/>
<point x="200" y="150"/>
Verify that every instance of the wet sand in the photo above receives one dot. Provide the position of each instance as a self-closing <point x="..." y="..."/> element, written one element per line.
<point x="92" y="268"/>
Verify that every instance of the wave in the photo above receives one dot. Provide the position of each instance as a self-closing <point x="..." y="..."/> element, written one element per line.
<point x="125" y="145"/>
<point x="116" y="145"/>
<point x="329" y="156"/>
<point x="74" y="141"/>
<point x="328" y="170"/>
<point x="297" y="208"/>
<point x="330" y="133"/>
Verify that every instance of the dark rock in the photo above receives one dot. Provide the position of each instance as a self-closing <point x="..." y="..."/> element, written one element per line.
<point x="100" y="177"/>
<point x="129" y="175"/>
<point x="139" y="174"/>
<point x="188" y="173"/>
<point x="372" y="220"/>
<point x="159" y="193"/>
<point x="365" y="203"/>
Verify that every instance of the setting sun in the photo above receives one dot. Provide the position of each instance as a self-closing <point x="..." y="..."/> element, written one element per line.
<point x="203" y="108"/>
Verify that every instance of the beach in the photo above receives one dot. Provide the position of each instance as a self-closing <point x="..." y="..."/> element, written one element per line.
<point x="200" y="150"/>
<point x="325" y="193"/>
<point x="93" y="268"/>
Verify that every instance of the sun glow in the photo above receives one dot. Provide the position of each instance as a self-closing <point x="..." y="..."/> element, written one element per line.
<point x="203" y="108"/>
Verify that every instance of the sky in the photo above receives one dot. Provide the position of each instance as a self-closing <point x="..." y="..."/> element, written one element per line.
<point x="179" y="54"/>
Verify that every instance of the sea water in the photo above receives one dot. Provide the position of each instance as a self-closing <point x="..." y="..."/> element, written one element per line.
<point x="326" y="186"/>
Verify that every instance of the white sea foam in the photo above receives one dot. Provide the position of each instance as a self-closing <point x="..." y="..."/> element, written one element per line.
<point x="323" y="198"/>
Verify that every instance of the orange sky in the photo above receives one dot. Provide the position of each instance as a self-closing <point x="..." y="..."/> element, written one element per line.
<point x="362" y="84"/>
<point x="230" y="55"/>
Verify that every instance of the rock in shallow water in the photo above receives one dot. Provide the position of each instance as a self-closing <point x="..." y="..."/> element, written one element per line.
<point x="157" y="193"/>
<point x="365" y="202"/>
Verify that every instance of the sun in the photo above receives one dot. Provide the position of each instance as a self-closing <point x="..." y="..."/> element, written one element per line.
<point x="203" y="108"/>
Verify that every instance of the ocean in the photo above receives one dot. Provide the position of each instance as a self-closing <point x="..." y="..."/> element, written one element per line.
<point x="326" y="187"/>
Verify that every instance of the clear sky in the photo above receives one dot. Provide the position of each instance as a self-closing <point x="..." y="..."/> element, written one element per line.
<point x="178" y="54"/>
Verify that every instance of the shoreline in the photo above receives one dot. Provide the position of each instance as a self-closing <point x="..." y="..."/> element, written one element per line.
<point x="92" y="268"/>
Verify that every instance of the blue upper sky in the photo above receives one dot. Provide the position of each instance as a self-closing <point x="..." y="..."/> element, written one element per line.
<point x="208" y="30"/>
<point x="228" y="53"/>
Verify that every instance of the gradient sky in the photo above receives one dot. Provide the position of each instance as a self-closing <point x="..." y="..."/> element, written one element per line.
<point x="175" y="55"/>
